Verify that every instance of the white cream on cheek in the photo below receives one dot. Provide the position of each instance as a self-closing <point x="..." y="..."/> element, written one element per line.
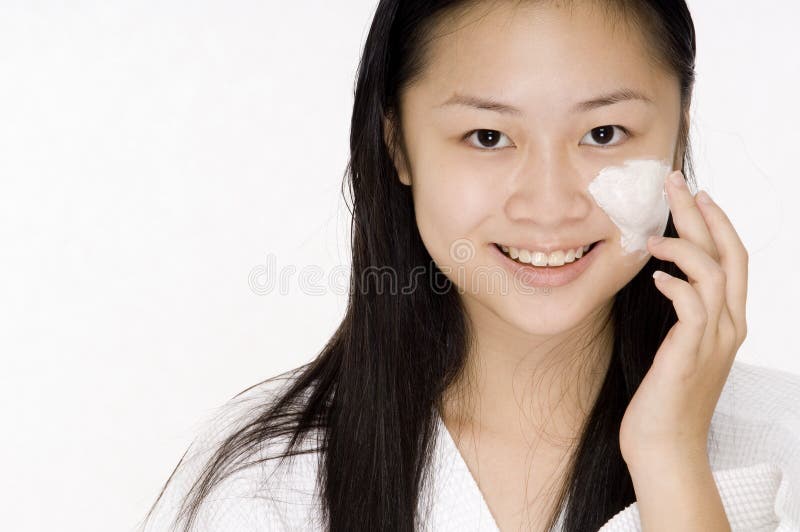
<point x="633" y="196"/>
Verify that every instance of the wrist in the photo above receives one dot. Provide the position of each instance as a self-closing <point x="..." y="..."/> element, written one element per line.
<point x="675" y="490"/>
<point x="667" y="457"/>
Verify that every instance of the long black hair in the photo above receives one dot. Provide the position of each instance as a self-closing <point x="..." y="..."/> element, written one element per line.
<point x="372" y="392"/>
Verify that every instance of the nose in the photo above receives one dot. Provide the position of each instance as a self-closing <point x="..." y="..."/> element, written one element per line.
<point x="548" y="191"/>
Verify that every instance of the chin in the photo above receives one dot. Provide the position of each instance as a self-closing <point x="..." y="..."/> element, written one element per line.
<point x="548" y="315"/>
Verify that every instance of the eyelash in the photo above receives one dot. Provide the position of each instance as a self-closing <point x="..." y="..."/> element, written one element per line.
<point x="472" y="132"/>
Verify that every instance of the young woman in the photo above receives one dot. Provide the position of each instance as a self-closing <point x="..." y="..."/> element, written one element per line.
<point x="521" y="367"/>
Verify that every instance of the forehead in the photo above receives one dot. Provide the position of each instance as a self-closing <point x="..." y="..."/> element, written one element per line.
<point x="540" y="55"/>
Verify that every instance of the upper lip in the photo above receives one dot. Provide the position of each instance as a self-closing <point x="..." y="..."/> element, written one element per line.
<point x="548" y="248"/>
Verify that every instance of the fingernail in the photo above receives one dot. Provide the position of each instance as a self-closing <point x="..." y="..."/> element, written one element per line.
<point x="655" y="239"/>
<point x="658" y="275"/>
<point x="704" y="197"/>
<point x="677" y="179"/>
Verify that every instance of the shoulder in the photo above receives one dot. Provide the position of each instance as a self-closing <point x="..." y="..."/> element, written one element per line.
<point x="754" y="445"/>
<point x="255" y="494"/>
<point x="754" y="452"/>
<point x="760" y="394"/>
<point x="757" y="412"/>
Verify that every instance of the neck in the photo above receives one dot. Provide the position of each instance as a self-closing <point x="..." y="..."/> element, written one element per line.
<point x="516" y="386"/>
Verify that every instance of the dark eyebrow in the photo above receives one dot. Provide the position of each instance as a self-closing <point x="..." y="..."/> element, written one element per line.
<point x="619" y="95"/>
<point x="490" y="104"/>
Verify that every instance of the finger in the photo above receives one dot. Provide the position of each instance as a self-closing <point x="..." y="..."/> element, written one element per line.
<point x="705" y="274"/>
<point x="733" y="258"/>
<point x="688" y="332"/>
<point x="686" y="216"/>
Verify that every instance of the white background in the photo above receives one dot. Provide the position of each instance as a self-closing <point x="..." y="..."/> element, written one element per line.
<point x="153" y="153"/>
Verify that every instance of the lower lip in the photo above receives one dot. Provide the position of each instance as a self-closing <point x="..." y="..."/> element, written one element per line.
<point x="541" y="276"/>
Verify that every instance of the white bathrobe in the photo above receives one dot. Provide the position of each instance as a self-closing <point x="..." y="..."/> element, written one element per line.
<point x="754" y="452"/>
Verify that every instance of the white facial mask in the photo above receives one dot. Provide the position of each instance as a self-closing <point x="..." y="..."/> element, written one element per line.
<point x="633" y="196"/>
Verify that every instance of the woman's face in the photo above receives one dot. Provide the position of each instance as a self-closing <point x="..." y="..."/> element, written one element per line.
<point x="524" y="181"/>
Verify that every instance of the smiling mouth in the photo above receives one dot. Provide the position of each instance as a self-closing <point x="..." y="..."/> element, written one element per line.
<point x="555" y="259"/>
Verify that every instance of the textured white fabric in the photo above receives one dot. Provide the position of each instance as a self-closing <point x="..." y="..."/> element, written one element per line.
<point x="754" y="451"/>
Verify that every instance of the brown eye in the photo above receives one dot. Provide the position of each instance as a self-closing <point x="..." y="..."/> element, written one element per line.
<point x="604" y="135"/>
<point x="486" y="138"/>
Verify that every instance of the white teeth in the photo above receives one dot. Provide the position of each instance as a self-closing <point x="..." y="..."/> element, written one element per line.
<point x="556" y="258"/>
<point x="539" y="258"/>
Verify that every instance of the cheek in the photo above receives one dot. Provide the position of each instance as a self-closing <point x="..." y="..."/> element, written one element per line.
<point x="632" y="197"/>
<point x="451" y="202"/>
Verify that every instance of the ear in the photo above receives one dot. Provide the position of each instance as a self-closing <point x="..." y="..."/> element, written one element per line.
<point x="395" y="149"/>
